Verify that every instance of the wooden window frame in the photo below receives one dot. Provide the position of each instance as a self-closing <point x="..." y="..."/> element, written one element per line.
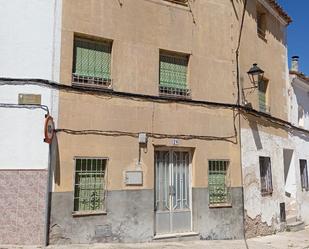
<point x="304" y="174"/>
<point x="266" y="176"/>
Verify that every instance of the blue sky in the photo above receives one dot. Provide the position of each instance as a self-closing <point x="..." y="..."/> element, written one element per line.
<point x="298" y="31"/>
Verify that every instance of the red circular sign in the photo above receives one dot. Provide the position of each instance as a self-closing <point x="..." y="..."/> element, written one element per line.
<point x="49" y="129"/>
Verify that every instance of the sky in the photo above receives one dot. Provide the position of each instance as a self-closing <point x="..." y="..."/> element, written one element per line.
<point x="298" y="31"/>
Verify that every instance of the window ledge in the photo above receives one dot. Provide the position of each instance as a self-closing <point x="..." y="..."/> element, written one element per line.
<point x="182" y="3"/>
<point x="267" y="194"/>
<point x="221" y="205"/>
<point x="87" y="213"/>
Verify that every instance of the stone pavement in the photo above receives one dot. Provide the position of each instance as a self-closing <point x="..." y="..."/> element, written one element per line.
<point x="286" y="240"/>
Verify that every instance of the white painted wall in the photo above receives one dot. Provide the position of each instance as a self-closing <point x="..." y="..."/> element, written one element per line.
<point x="29" y="48"/>
<point x="22" y="130"/>
<point x="298" y="95"/>
<point x="30" y="38"/>
<point x="270" y="146"/>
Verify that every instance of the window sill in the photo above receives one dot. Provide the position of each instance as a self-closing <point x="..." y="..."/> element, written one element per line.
<point x="221" y="205"/>
<point x="267" y="194"/>
<point x="87" y="213"/>
<point x="182" y="3"/>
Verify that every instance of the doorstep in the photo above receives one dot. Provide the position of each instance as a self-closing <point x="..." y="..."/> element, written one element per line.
<point x="177" y="236"/>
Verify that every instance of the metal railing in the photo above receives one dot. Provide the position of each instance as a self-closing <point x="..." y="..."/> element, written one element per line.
<point x="174" y="92"/>
<point x="89" y="81"/>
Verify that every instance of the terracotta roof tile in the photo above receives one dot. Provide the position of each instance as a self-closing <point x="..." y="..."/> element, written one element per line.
<point x="300" y="75"/>
<point x="280" y="10"/>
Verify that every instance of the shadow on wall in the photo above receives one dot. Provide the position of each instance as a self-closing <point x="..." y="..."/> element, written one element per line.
<point x="255" y="133"/>
<point x="272" y="26"/>
<point x="55" y="160"/>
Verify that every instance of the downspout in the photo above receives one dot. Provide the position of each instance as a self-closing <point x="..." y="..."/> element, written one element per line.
<point x="48" y="196"/>
<point x="239" y="103"/>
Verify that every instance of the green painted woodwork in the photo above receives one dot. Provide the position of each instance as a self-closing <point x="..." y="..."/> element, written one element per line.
<point x="217" y="178"/>
<point x="262" y="96"/>
<point x="89" y="184"/>
<point x="92" y="58"/>
<point x="173" y="71"/>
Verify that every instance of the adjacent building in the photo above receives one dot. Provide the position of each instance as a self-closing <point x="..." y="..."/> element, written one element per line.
<point x="29" y="50"/>
<point x="297" y="177"/>
<point x="264" y="140"/>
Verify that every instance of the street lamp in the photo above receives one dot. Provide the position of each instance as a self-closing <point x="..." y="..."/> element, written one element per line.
<point x="255" y="74"/>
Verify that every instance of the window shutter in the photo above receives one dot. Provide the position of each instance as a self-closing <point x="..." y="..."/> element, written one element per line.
<point x="92" y="58"/>
<point x="173" y="71"/>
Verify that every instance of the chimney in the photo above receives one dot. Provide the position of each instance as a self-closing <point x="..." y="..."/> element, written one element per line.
<point x="295" y="64"/>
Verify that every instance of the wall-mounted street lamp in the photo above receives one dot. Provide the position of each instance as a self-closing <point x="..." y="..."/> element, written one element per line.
<point x="255" y="74"/>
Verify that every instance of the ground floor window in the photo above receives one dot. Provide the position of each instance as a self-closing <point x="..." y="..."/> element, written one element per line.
<point x="218" y="182"/>
<point x="304" y="174"/>
<point x="266" y="176"/>
<point x="89" y="191"/>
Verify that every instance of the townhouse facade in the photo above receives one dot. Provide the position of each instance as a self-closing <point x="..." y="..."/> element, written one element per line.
<point x="159" y="131"/>
<point x="135" y="130"/>
<point x="264" y="140"/>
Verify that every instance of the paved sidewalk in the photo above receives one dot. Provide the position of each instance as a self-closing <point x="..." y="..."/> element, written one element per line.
<point x="286" y="240"/>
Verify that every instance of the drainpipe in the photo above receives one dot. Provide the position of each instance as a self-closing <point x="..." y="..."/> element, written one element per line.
<point x="239" y="103"/>
<point x="48" y="196"/>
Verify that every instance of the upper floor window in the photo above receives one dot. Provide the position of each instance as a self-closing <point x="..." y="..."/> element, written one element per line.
<point x="173" y="75"/>
<point x="92" y="63"/>
<point x="304" y="174"/>
<point x="261" y="24"/>
<point x="263" y="95"/>
<point x="266" y="176"/>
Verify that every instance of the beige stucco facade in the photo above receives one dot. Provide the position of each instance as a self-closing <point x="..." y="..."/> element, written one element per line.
<point x="107" y="123"/>
<point x="139" y="30"/>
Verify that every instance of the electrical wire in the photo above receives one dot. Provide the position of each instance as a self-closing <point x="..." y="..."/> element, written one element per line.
<point x="149" y="134"/>
<point x="30" y="107"/>
<point x="158" y="99"/>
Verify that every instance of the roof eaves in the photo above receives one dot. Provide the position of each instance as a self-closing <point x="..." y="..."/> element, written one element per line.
<point x="274" y="4"/>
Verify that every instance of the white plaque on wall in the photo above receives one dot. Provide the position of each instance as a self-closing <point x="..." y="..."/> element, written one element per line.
<point x="134" y="177"/>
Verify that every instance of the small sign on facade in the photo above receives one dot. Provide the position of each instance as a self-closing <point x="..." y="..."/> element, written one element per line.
<point x="49" y="129"/>
<point x="134" y="177"/>
<point x="29" y="99"/>
<point x="175" y="141"/>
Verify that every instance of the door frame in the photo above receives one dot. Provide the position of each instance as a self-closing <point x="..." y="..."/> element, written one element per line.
<point x="171" y="149"/>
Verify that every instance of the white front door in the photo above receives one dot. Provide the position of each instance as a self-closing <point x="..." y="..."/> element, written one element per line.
<point x="172" y="196"/>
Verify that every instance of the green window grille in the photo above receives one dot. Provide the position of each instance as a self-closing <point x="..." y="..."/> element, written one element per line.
<point x="89" y="194"/>
<point x="262" y="96"/>
<point x="219" y="191"/>
<point x="92" y="59"/>
<point x="173" y="71"/>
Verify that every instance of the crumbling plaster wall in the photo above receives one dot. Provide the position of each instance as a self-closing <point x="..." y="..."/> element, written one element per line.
<point x="298" y="96"/>
<point x="263" y="210"/>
